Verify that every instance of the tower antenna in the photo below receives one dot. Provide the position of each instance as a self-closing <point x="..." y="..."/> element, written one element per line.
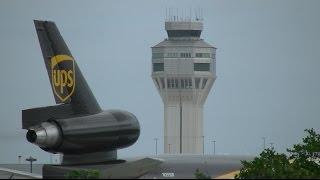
<point x="166" y="15"/>
<point x="177" y="14"/>
<point x="195" y="12"/>
<point x="201" y="14"/>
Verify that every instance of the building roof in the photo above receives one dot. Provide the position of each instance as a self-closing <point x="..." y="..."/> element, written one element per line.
<point x="183" y="43"/>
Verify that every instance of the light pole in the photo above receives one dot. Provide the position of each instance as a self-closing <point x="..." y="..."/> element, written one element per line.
<point x="214" y="147"/>
<point x="31" y="159"/>
<point x="202" y="144"/>
<point x="19" y="157"/>
<point x="156" y="139"/>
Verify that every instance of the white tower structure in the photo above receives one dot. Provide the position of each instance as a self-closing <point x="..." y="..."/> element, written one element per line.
<point x="183" y="71"/>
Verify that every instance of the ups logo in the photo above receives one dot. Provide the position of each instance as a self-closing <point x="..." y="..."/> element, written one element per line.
<point x="63" y="76"/>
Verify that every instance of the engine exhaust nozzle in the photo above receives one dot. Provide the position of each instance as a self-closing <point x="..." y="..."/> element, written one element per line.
<point x="47" y="135"/>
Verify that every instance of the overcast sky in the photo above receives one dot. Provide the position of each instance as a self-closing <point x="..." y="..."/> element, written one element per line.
<point x="268" y="61"/>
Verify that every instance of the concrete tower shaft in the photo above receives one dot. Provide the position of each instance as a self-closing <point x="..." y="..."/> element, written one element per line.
<point x="183" y="71"/>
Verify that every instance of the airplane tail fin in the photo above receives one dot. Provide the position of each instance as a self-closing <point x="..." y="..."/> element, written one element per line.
<point x="67" y="82"/>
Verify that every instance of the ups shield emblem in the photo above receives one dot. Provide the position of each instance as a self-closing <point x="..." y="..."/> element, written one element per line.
<point x="63" y="76"/>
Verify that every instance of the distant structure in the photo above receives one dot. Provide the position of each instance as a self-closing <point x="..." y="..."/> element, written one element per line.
<point x="183" y="71"/>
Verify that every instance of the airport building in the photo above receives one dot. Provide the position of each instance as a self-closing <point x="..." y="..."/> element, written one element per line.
<point x="183" y="71"/>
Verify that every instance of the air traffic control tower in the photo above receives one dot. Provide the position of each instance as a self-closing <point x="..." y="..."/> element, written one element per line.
<point x="183" y="71"/>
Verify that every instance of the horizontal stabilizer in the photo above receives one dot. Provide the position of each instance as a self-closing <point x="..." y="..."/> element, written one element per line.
<point x="32" y="117"/>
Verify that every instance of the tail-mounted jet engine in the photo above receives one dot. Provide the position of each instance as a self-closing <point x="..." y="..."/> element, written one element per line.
<point x="76" y="127"/>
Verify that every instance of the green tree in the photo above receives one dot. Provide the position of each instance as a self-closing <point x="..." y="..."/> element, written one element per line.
<point x="300" y="164"/>
<point x="304" y="156"/>
<point x="83" y="174"/>
<point x="200" y="175"/>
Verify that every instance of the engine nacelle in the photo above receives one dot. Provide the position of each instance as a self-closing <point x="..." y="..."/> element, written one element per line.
<point x="105" y="131"/>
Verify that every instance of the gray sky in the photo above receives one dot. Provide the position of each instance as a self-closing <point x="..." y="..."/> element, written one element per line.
<point x="268" y="64"/>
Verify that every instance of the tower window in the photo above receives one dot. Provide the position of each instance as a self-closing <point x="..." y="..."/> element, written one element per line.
<point x="170" y="83"/>
<point x="203" y="55"/>
<point x="182" y="85"/>
<point x="176" y="83"/>
<point x="157" y="55"/>
<point x="184" y="33"/>
<point x="158" y="85"/>
<point x="185" y="55"/>
<point x="172" y="55"/>
<point x="204" y="83"/>
<point x="189" y="83"/>
<point x="201" y="66"/>
<point x="158" y="67"/>
<point x="197" y="81"/>
<point x="162" y="83"/>
<point x="186" y="83"/>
